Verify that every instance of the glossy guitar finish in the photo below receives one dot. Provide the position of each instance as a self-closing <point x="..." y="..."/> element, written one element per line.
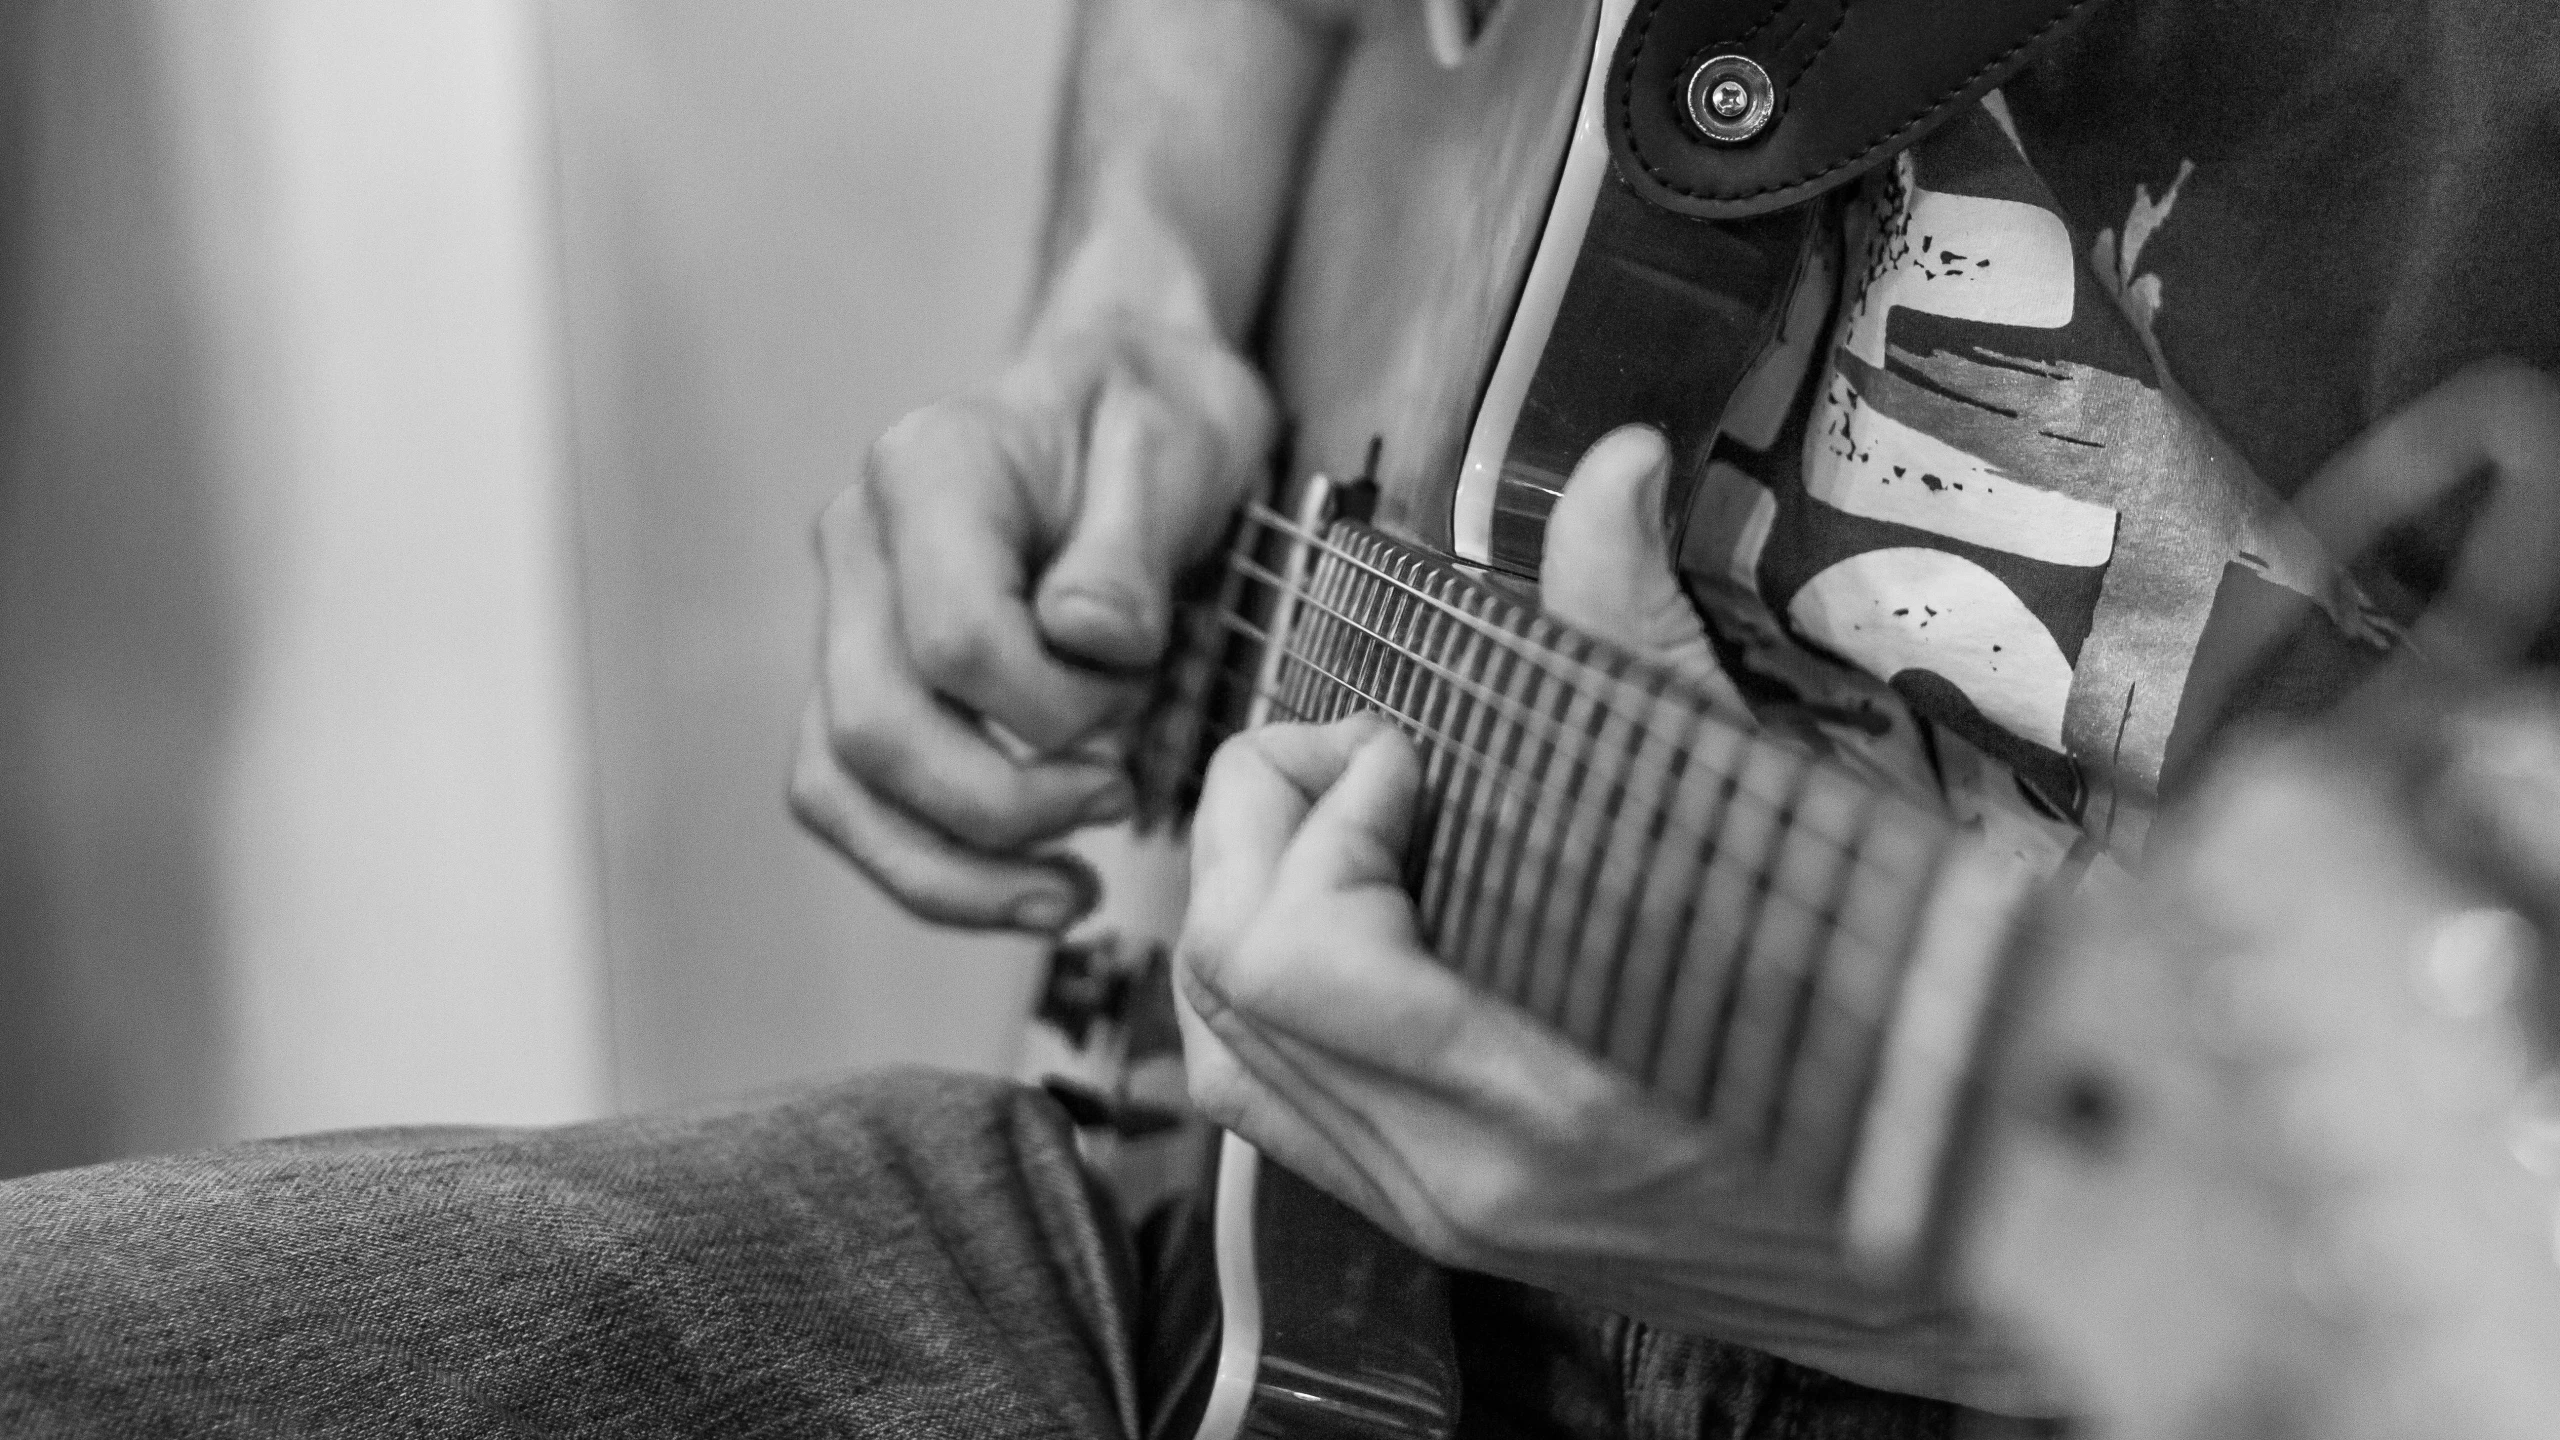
<point x="1426" y="194"/>
<point x="1461" y="312"/>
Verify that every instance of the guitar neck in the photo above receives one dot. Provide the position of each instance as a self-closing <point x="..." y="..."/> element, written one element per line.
<point x="1718" y="912"/>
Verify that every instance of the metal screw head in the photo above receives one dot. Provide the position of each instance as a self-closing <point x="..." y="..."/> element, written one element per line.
<point x="1730" y="98"/>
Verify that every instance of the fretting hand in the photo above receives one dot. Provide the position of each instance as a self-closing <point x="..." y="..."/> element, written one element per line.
<point x="1316" y="1026"/>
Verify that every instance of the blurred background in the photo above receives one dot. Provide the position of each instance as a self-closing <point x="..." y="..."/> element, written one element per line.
<point x="411" y="414"/>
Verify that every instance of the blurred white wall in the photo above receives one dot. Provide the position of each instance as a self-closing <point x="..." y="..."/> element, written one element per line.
<point x="401" y="852"/>
<point x="785" y="223"/>
<point x="411" y="412"/>
<point x="307" y="788"/>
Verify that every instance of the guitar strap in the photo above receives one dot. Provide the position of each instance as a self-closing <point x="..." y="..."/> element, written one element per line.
<point x="1730" y="109"/>
<point x="1707" y="223"/>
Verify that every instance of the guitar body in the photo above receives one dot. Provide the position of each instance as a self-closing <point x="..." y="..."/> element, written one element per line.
<point x="1426" y="193"/>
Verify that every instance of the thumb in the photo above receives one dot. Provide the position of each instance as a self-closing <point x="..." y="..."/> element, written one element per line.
<point x="1608" y="569"/>
<point x="1155" y="494"/>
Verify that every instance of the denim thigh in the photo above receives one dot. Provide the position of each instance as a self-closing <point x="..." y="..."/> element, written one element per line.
<point x="908" y="1253"/>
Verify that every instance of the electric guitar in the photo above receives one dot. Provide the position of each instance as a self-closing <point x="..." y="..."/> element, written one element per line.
<point x="1748" y="920"/>
<point x="1769" y="934"/>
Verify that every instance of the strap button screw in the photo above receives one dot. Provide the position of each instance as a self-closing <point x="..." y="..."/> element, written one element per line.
<point x="1730" y="98"/>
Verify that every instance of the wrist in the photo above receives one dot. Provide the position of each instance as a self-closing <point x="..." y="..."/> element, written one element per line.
<point x="1132" y="267"/>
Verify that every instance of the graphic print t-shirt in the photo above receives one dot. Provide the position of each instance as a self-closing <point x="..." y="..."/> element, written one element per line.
<point x="2092" y="332"/>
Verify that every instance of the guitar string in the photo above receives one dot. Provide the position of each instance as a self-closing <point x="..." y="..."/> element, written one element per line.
<point x="1556" y="732"/>
<point x="1521" y="647"/>
<point x="1797" y="1072"/>
<point x="1256" y="513"/>
<point x="1803" y="969"/>
<point x="1674" y="825"/>
<point x="1762" y="876"/>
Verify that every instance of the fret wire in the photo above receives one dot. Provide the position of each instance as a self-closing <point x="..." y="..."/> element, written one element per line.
<point x="1588" y="1013"/>
<point x="1778" y="994"/>
<point x="1557" y="756"/>
<point x="1507" y="705"/>
<point x="1869" y="1016"/>
<point x="1657" y="963"/>
<point x="1549" y="983"/>
<point x="1495" y="696"/>
<point x="1791" y="1048"/>
<point x="1859" y="1015"/>
<point x="1256" y="513"/>
<point x="1709" y="838"/>
<point x="1419" y="692"/>
<point x="1526" y="751"/>
<point x="1718" y="1035"/>
<point x="1489" y="770"/>
<point x="1454" y="713"/>
<point x="1259" y="514"/>
<point x="1406" y="674"/>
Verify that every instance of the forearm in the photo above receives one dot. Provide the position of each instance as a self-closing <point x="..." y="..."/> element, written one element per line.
<point x="1179" y="142"/>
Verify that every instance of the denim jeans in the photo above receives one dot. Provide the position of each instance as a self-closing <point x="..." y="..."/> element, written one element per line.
<point x="909" y="1254"/>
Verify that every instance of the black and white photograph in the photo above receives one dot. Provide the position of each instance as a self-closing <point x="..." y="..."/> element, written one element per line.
<point x="1280" y="719"/>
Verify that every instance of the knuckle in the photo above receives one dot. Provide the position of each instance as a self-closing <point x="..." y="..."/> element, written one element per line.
<point x="1201" y="956"/>
<point x="918" y="888"/>
<point x="950" y="655"/>
<point x="1233" y="765"/>
<point x="1261" y="959"/>
<point x="868" y="749"/>
<point x="1214" y="1089"/>
<point x="886" y="760"/>
<point x="988" y="822"/>
<point x="806" y="796"/>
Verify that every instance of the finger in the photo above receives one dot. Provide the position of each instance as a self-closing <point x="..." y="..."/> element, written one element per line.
<point x="1298" y="1122"/>
<point x="897" y="740"/>
<point x="956" y="532"/>
<point x="1608" y="569"/>
<point x="1313" y="757"/>
<point x="1158" y="484"/>
<point x="1259" y="789"/>
<point x="2501" y="417"/>
<point x="925" y="872"/>
<point x="1252" y="799"/>
<point x="903" y="745"/>
<point x="1355" y="836"/>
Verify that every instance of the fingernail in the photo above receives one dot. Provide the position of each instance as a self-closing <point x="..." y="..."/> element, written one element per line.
<point x="1045" y="910"/>
<point x="1106" y="605"/>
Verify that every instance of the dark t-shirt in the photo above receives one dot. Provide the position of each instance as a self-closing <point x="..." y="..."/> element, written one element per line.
<point x="2092" y="333"/>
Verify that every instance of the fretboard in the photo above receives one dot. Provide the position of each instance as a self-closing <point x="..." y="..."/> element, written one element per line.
<point x="1721" y="913"/>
